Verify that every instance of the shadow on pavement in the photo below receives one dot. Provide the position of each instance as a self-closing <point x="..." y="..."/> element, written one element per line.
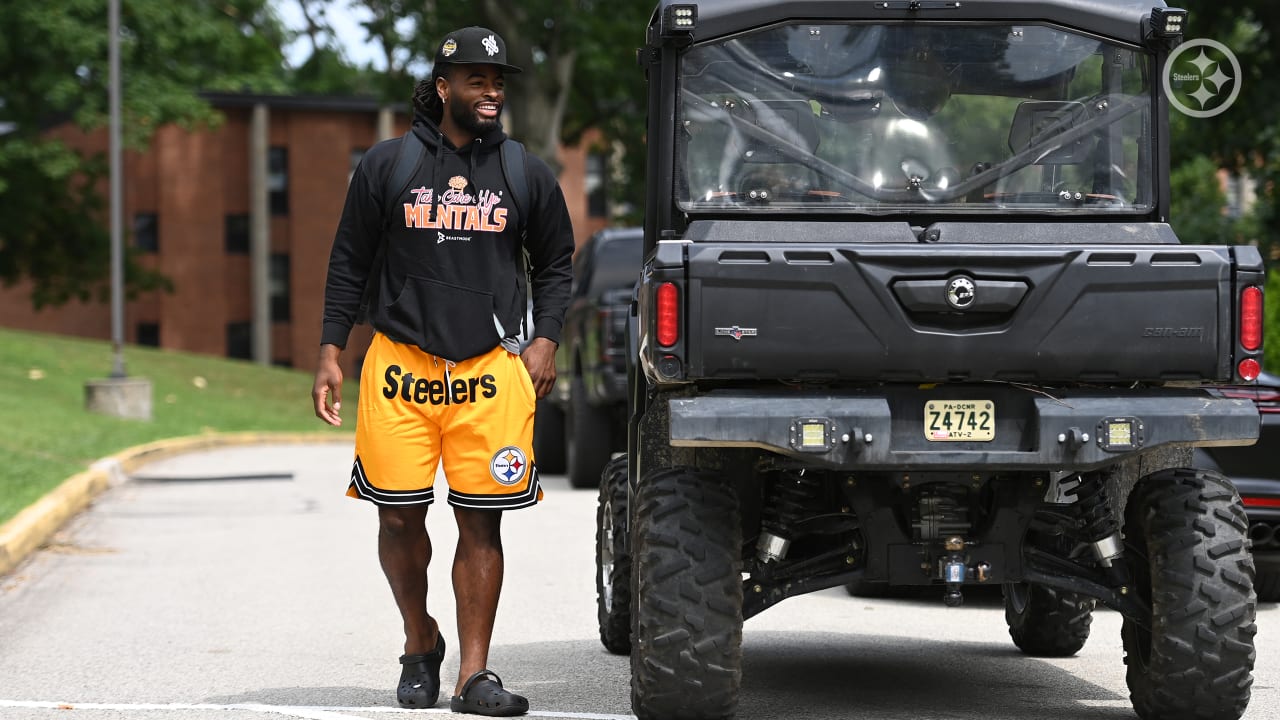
<point x="819" y="675"/>
<point x="888" y="677"/>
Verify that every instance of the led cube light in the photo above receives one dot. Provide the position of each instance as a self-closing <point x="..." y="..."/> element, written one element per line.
<point x="813" y="434"/>
<point x="1168" y="22"/>
<point x="1117" y="434"/>
<point x="679" y="20"/>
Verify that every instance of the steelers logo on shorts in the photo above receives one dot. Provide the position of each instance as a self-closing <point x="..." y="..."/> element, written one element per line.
<point x="509" y="465"/>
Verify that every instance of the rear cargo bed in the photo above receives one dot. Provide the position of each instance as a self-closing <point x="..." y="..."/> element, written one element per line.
<point x="1027" y="313"/>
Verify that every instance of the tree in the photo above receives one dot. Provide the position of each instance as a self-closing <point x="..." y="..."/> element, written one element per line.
<point x="53" y="69"/>
<point x="327" y="70"/>
<point x="578" y="58"/>
<point x="1245" y="138"/>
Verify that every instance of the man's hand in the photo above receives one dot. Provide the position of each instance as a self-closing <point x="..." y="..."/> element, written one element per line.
<point x="540" y="359"/>
<point x="328" y="386"/>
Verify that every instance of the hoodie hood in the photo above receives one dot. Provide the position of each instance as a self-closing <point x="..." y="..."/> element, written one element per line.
<point x="431" y="134"/>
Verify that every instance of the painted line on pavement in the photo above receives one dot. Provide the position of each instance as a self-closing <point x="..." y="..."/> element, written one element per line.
<point x="296" y="711"/>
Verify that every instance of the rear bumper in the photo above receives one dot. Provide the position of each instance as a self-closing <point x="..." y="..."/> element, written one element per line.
<point x="883" y="428"/>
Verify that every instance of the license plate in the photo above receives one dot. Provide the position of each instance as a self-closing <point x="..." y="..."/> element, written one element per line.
<point x="959" y="420"/>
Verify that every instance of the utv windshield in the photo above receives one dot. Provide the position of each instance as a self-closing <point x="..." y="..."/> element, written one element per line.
<point x="914" y="119"/>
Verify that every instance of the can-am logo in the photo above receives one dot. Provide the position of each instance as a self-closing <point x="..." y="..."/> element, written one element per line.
<point x="1202" y="78"/>
<point x="1172" y="332"/>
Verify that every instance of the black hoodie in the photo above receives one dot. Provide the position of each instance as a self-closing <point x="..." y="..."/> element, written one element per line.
<point x="450" y="283"/>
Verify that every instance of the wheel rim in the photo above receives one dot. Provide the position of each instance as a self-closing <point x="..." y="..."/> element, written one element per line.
<point x="606" y="557"/>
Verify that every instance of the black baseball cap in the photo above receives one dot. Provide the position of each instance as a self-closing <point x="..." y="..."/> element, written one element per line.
<point x="474" y="46"/>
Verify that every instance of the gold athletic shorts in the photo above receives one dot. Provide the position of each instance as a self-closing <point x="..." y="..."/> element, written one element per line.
<point x="417" y="410"/>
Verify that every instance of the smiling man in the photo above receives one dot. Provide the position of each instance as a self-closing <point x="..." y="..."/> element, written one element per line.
<point x="432" y="241"/>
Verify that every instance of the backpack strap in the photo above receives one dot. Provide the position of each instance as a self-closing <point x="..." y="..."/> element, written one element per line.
<point x="516" y="174"/>
<point x="408" y="160"/>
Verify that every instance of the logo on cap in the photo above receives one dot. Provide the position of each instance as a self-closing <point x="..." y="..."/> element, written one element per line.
<point x="490" y="45"/>
<point x="450" y="47"/>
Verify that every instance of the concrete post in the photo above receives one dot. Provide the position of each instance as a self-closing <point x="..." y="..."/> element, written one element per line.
<point x="386" y="122"/>
<point x="119" y="397"/>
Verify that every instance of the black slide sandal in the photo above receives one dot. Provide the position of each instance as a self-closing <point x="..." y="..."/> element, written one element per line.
<point x="483" y="694"/>
<point x="420" y="678"/>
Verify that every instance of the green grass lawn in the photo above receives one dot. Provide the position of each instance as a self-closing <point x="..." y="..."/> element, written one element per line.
<point x="46" y="435"/>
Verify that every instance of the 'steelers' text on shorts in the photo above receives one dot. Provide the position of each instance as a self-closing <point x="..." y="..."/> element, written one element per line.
<point x="417" y="410"/>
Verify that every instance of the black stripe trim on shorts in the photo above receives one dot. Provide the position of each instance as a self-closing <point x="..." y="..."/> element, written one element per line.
<point x="367" y="491"/>
<point x="514" y="501"/>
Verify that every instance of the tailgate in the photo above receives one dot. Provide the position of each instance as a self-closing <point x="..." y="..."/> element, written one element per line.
<point x="912" y="312"/>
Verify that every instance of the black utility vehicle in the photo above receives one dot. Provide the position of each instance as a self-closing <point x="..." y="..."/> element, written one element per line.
<point x="583" y="420"/>
<point x="911" y="313"/>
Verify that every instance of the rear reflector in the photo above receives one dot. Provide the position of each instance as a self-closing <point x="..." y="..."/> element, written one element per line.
<point x="1251" y="318"/>
<point x="1249" y="369"/>
<point x="1261" y="502"/>
<point x="668" y="314"/>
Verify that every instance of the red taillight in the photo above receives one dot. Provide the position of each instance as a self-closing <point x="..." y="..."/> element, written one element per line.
<point x="1251" y="318"/>
<point x="668" y="314"/>
<point x="1261" y="502"/>
<point x="1249" y="369"/>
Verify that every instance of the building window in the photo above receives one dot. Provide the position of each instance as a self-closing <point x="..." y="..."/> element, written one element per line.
<point x="278" y="180"/>
<point x="149" y="334"/>
<point x="146" y="232"/>
<point x="279" y="288"/>
<point x="237" y="234"/>
<point x="597" y="192"/>
<point x="240" y="340"/>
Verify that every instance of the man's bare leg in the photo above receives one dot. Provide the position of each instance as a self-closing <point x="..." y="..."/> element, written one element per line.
<point x="477" y="583"/>
<point x="405" y="551"/>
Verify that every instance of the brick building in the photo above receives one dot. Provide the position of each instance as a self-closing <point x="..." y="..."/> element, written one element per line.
<point x="241" y="218"/>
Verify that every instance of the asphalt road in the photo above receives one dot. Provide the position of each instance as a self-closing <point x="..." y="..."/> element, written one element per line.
<point x="196" y="591"/>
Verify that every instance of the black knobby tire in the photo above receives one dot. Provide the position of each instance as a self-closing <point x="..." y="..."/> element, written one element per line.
<point x="613" y="559"/>
<point x="1185" y="535"/>
<point x="686" y="540"/>
<point x="590" y="438"/>
<point x="548" y="437"/>
<point x="1045" y="621"/>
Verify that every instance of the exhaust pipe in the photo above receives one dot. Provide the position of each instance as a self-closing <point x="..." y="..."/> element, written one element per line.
<point x="1262" y="535"/>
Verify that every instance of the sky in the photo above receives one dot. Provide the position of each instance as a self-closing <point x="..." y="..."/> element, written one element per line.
<point x="346" y="24"/>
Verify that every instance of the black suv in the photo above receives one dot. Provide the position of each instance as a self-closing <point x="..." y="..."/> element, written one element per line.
<point x="1255" y="470"/>
<point x="583" y="421"/>
<point x="911" y="313"/>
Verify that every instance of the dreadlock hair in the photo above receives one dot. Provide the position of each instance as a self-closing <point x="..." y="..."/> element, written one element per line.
<point x="425" y="98"/>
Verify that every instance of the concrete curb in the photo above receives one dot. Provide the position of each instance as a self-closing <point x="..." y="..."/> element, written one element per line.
<point x="32" y="527"/>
